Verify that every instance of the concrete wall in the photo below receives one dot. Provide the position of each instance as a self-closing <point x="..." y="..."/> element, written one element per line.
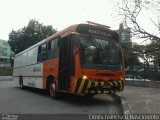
<point x="5" y="78"/>
<point x="154" y="84"/>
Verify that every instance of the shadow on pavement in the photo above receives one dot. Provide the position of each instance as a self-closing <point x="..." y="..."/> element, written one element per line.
<point x="79" y="100"/>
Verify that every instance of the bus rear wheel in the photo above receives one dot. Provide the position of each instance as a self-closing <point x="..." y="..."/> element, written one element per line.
<point x="21" y="83"/>
<point x="52" y="90"/>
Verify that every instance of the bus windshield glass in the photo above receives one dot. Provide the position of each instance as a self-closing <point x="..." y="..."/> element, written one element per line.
<point x="100" y="53"/>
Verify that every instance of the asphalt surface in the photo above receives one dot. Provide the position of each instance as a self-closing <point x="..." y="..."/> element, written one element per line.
<point x="13" y="100"/>
<point x="142" y="100"/>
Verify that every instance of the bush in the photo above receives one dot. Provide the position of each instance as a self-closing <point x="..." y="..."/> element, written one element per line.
<point x="6" y="72"/>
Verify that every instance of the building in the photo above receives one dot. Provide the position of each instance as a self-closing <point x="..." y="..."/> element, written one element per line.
<point x="5" y="52"/>
<point x="124" y="34"/>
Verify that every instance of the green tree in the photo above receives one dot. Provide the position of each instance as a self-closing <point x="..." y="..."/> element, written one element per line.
<point x="133" y="12"/>
<point x="130" y="56"/>
<point x="29" y="35"/>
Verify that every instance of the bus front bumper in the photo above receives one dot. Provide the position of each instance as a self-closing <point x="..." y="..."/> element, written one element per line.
<point x="86" y="86"/>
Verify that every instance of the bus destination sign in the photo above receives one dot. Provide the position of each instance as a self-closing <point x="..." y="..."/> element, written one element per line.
<point x="94" y="30"/>
<point x="100" y="33"/>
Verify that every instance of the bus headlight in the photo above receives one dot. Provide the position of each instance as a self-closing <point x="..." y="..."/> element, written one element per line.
<point x="85" y="77"/>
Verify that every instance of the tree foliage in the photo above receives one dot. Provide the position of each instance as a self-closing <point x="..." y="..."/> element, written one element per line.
<point x="130" y="57"/>
<point x="131" y="10"/>
<point x="29" y="35"/>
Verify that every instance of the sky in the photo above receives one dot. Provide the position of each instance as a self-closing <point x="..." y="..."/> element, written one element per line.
<point x="14" y="14"/>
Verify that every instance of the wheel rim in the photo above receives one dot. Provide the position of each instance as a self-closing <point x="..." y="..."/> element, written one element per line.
<point x="52" y="89"/>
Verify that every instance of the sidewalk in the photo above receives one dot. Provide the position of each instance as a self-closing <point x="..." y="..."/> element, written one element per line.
<point x="5" y="78"/>
<point x="142" y="100"/>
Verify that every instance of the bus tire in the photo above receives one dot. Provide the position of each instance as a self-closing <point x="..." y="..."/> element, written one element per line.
<point x="21" y="82"/>
<point x="52" y="90"/>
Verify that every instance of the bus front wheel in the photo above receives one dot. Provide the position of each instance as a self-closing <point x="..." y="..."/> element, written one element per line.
<point x="52" y="90"/>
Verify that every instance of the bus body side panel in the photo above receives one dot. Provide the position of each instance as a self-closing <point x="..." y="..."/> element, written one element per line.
<point x="31" y="74"/>
<point x="26" y="65"/>
<point x="50" y="67"/>
<point x="37" y="72"/>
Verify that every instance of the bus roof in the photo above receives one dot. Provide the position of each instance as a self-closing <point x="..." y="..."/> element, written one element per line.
<point x="79" y="28"/>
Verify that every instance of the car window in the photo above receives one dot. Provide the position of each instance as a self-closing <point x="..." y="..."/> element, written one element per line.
<point x="132" y="77"/>
<point x="136" y="77"/>
<point x="127" y="76"/>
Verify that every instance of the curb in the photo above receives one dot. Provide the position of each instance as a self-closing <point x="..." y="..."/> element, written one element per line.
<point x="124" y="104"/>
<point x="152" y="84"/>
<point x="6" y="78"/>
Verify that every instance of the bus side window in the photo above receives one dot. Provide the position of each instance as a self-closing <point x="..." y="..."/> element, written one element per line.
<point x="53" y="50"/>
<point x="39" y="49"/>
<point x="42" y="52"/>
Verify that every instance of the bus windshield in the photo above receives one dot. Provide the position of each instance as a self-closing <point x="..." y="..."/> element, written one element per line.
<point x="100" y="53"/>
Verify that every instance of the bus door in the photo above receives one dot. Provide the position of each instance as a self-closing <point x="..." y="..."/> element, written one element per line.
<point x="66" y="61"/>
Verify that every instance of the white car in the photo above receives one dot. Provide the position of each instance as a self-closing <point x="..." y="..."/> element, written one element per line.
<point x="136" y="78"/>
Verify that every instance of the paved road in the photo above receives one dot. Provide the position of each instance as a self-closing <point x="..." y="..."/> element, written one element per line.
<point x="15" y="100"/>
<point x="142" y="100"/>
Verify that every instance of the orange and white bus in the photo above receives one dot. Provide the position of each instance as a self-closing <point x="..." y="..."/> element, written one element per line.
<point x="81" y="59"/>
